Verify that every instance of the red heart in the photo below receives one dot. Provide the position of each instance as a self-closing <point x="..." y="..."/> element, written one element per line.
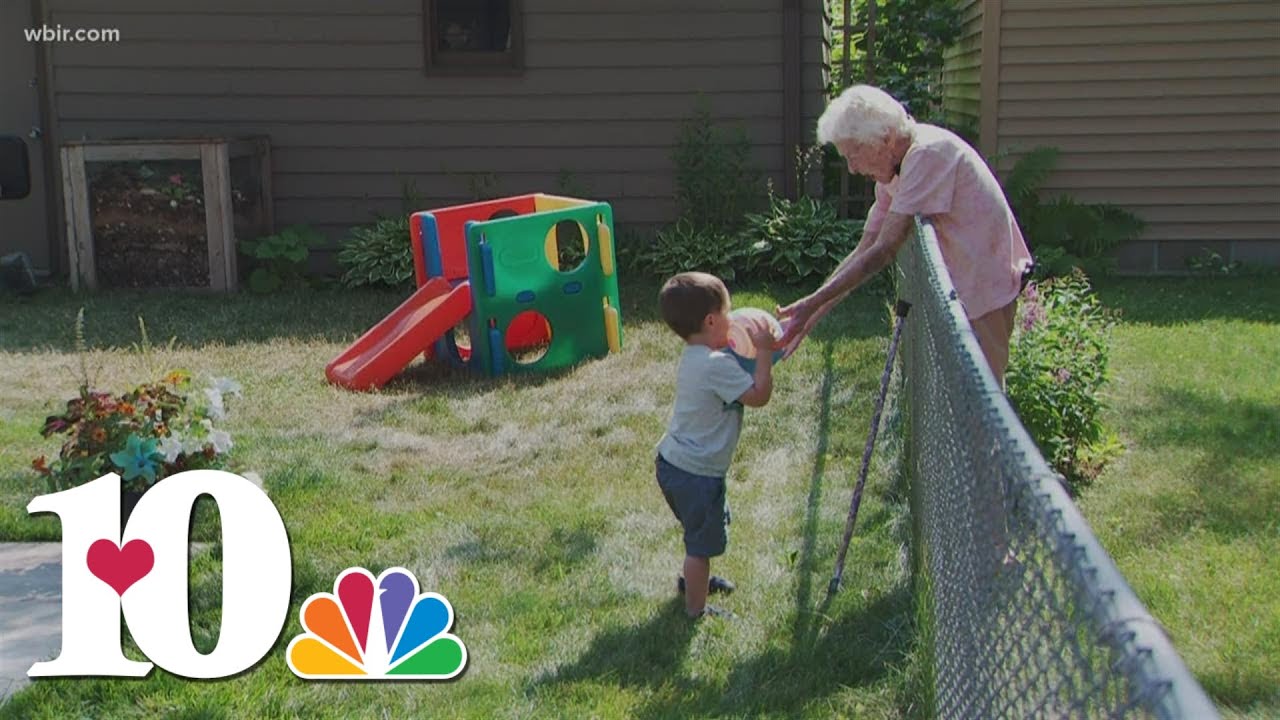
<point x="120" y="567"/>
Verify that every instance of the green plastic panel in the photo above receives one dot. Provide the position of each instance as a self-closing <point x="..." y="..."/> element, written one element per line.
<point x="511" y="273"/>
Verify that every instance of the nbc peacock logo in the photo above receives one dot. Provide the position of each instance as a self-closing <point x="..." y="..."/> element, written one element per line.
<point x="376" y="629"/>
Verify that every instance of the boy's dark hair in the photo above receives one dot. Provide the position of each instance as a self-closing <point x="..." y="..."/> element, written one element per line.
<point x="688" y="298"/>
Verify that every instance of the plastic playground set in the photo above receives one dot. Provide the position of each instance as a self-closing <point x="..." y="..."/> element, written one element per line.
<point x="492" y="294"/>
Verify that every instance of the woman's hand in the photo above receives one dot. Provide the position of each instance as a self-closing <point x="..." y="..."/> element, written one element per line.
<point x="798" y="319"/>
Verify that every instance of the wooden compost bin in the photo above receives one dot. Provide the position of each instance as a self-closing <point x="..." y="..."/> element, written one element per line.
<point x="195" y="222"/>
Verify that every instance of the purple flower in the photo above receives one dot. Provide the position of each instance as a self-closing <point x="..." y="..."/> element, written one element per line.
<point x="1062" y="375"/>
<point x="1033" y="315"/>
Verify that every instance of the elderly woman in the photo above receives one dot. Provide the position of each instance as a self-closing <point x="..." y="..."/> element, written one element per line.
<point x="925" y="170"/>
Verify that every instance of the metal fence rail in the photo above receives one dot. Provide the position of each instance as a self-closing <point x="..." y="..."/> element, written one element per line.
<point x="1030" y="617"/>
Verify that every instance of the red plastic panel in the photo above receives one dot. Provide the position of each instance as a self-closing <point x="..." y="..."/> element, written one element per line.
<point x="388" y="347"/>
<point x="452" y="227"/>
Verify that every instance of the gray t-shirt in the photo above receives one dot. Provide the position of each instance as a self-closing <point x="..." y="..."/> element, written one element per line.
<point x="707" y="416"/>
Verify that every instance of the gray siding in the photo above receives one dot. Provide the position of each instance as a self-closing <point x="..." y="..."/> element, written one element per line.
<point x="339" y="87"/>
<point x="962" y="73"/>
<point x="816" y="42"/>
<point x="1168" y="108"/>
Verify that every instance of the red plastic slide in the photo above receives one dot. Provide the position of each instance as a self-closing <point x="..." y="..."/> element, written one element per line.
<point x="388" y="347"/>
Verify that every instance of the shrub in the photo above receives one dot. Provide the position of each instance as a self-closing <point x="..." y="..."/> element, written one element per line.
<point x="378" y="254"/>
<point x="1211" y="263"/>
<point x="796" y="240"/>
<point x="632" y="246"/>
<point x="281" y="259"/>
<point x="684" y="247"/>
<point x="911" y="37"/>
<point x="1057" y="370"/>
<point x="715" y="181"/>
<point x="1063" y="233"/>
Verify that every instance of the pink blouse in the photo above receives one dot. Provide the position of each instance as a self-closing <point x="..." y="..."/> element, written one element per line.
<point x="945" y="180"/>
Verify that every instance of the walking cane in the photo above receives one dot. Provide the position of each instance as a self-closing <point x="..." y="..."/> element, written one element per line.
<point x="900" y="311"/>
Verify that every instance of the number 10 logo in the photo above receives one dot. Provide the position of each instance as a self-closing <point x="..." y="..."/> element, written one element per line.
<point x="141" y="570"/>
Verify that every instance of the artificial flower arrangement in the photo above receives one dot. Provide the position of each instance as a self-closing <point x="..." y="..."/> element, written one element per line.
<point x="144" y="435"/>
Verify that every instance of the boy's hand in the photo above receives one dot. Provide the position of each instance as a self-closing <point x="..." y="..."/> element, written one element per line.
<point x="761" y="336"/>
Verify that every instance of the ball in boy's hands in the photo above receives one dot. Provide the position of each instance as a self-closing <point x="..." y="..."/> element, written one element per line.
<point x="740" y="344"/>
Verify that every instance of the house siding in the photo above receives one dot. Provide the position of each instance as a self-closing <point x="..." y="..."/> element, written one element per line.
<point x="962" y="73"/>
<point x="1170" y="109"/>
<point x="339" y="87"/>
<point x="815" y="41"/>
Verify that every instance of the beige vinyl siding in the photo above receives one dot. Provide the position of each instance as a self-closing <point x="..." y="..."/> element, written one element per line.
<point x="1170" y="109"/>
<point x="962" y="73"/>
<point x="339" y="87"/>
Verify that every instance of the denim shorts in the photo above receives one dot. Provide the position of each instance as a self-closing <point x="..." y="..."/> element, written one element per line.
<point x="699" y="503"/>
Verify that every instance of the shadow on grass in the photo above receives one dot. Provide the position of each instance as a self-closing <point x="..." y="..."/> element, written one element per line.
<point x="194" y="320"/>
<point x="550" y="555"/>
<point x="1174" y="301"/>
<point x="641" y="656"/>
<point x="198" y="319"/>
<point x="803" y="629"/>
<point x="856" y="644"/>
<point x="445" y="380"/>
<point x="1230" y="432"/>
<point x="857" y="649"/>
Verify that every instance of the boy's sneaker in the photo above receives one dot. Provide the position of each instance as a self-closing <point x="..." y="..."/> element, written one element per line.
<point x="717" y="585"/>
<point x="713" y="611"/>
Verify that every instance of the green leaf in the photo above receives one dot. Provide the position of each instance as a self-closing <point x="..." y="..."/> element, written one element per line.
<point x="1028" y="174"/>
<point x="262" y="280"/>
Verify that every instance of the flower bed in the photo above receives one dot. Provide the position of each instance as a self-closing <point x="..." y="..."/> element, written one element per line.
<point x="145" y="435"/>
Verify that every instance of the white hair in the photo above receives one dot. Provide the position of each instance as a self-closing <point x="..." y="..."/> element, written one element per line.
<point x="864" y="114"/>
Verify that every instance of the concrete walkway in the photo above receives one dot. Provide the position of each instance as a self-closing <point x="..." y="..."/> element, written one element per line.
<point x="30" y="609"/>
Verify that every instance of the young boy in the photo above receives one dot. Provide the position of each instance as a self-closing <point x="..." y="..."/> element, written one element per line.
<point x="694" y="454"/>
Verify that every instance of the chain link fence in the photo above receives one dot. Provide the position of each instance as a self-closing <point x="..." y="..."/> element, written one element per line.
<point x="1027" y="614"/>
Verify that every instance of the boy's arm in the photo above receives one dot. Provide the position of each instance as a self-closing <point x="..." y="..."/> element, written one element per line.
<point x="762" y="389"/>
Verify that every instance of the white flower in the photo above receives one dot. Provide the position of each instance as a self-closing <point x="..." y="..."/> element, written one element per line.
<point x="227" y="386"/>
<point x="221" y="440"/>
<point x="192" y="444"/>
<point x="171" y="447"/>
<point x="216" y="410"/>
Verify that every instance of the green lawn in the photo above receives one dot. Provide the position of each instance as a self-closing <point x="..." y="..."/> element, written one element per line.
<point x="528" y="502"/>
<point x="1191" y="510"/>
